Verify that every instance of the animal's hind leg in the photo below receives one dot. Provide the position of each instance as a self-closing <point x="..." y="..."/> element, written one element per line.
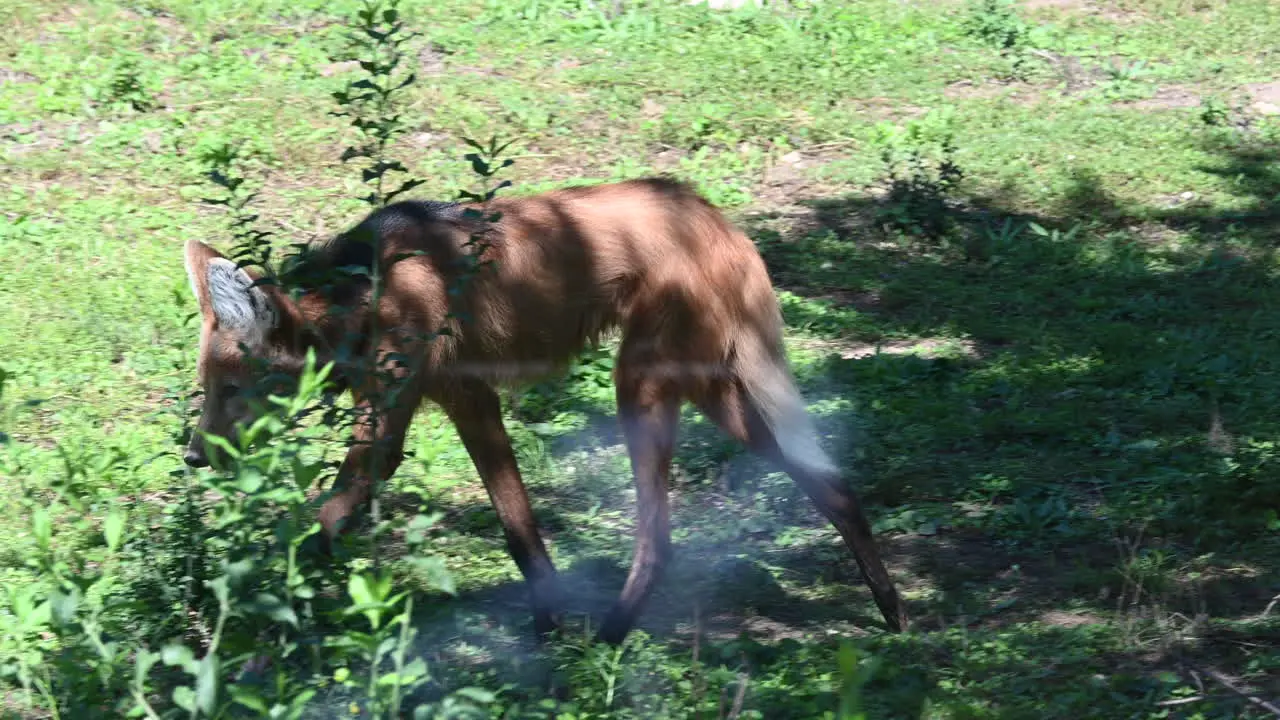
<point x="649" y="410"/>
<point x="726" y="404"/>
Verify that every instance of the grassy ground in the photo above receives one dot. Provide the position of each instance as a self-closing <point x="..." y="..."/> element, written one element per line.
<point x="1055" y="365"/>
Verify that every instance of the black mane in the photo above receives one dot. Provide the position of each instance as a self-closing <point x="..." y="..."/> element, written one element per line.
<point x="343" y="263"/>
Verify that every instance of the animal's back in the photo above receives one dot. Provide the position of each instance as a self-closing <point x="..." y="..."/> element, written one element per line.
<point x="650" y="255"/>
<point x="567" y="266"/>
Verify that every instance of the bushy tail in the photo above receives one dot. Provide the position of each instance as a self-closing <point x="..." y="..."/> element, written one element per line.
<point x="762" y="369"/>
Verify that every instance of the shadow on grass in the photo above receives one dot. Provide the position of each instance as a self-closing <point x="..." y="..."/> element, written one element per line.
<point x="1111" y="425"/>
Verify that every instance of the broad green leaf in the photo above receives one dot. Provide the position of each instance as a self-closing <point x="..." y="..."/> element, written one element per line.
<point x="142" y="665"/>
<point x="237" y="571"/>
<point x="297" y="705"/>
<point x="64" y="605"/>
<point x="249" y="480"/>
<point x="359" y="590"/>
<point x="185" y="698"/>
<point x="272" y="607"/>
<point x="437" y="574"/>
<point x="179" y="656"/>
<point x="113" y="529"/>
<point x="207" y="682"/>
<point x="249" y="697"/>
<point x="220" y="588"/>
<point x="477" y="695"/>
<point x="42" y="527"/>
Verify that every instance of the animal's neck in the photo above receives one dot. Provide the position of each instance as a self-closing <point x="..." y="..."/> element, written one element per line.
<point x="333" y="331"/>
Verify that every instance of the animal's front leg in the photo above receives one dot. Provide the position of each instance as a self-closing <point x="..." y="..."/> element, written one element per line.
<point x="375" y="455"/>
<point x="476" y="412"/>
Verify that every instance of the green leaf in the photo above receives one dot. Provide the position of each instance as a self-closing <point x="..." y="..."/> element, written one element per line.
<point x="249" y="480"/>
<point x="847" y="660"/>
<point x="30" y="614"/>
<point x="477" y="695"/>
<point x="220" y="589"/>
<point x="249" y="697"/>
<point x="272" y="607"/>
<point x="207" y="682"/>
<point x="142" y="665"/>
<point x="299" y="703"/>
<point x="42" y="527"/>
<point x="237" y="571"/>
<point x="364" y="592"/>
<point x="383" y="586"/>
<point x="437" y="574"/>
<point x="478" y="165"/>
<point x="407" y="81"/>
<point x="63" y="605"/>
<point x="359" y="590"/>
<point x="185" y="698"/>
<point x="411" y="672"/>
<point x="305" y="475"/>
<point x="406" y="186"/>
<point x="223" y="445"/>
<point x="175" y="655"/>
<point x="113" y="529"/>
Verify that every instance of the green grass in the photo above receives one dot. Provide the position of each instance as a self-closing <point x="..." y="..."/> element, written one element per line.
<point x="1068" y="437"/>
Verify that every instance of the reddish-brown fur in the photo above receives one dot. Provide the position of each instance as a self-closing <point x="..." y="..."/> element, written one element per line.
<point x="700" y="322"/>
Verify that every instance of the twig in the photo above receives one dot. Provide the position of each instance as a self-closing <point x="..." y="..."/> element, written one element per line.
<point x="1228" y="684"/>
<point x="699" y="681"/>
<point x="1050" y="57"/>
<point x="215" y="102"/>
<point x="739" y="696"/>
<point x="295" y="229"/>
<point x="1270" y="605"/>
<point x="1181" y="701"/>
<point x="830" y="145"/>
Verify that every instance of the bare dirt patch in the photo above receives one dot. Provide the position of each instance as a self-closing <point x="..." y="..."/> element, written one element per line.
<point x="1060" y="618"/>
<point x="338" y="68"/>
<point x="924" y="347"/>
<point x="784" y="179"/>
<point x="1057" y="4"/>
<point x="15" y="77"/>
<point x="886" y="108"/>
<point x="1169" y="97"/>
<point x="1265" y="97"/>
<point x="39" y="136"/>
<point x="1023" y="93"/>
<point x="787" y="182"/>
<point x="432" y="58"/>
<point x="1087" y="8"/>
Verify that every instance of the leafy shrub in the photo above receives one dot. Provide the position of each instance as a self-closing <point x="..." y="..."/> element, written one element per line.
<point x="922" y="174"/>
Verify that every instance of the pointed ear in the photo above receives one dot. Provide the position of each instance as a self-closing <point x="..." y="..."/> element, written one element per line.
<point x="198" y="256"/>
<point x="237" y="305"/>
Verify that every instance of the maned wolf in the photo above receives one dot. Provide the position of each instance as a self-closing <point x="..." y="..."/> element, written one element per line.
<point x="689" y="291"/>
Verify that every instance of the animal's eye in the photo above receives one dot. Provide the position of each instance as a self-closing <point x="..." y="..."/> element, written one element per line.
<point x="229" y="391"/>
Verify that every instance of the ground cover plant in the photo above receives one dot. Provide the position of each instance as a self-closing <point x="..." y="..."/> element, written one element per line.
<point x="1026" y="252"/>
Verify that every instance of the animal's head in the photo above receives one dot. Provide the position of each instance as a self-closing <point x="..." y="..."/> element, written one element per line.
<point x="239" y="322"/>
